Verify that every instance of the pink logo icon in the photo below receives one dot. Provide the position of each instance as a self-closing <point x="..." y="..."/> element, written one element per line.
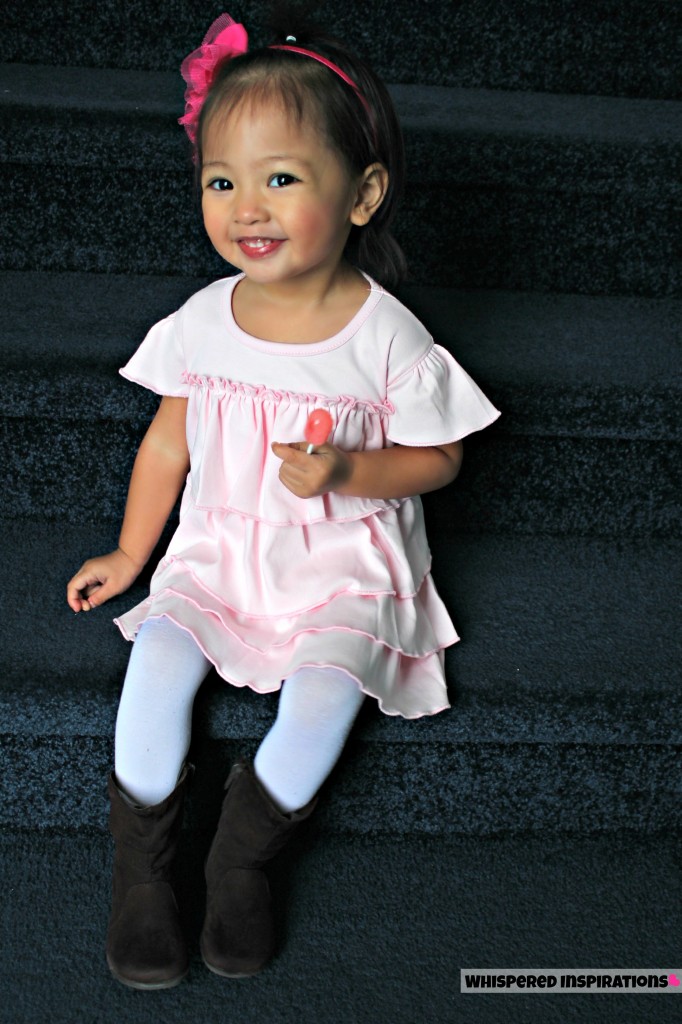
<point x="673" y="979"/>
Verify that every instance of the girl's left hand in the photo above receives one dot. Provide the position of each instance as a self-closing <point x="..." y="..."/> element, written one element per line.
<point x="309" y="476"/>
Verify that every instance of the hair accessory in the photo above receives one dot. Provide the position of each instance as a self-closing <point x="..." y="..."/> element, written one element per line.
<point x="332" y="67"/>
<point x="290" y="39"/>
<point x="224" y="39"/>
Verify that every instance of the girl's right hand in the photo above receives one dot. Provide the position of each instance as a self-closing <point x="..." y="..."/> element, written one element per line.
<point x="101" y="578"/>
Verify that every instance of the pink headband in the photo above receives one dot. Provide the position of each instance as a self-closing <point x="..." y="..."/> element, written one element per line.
<point x="332" y="67"/>
<point x="226" y="39"/>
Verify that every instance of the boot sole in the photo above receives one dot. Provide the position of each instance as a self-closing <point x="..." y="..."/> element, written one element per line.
<point x="147" y="986"/>
<point x="231" y="974"/>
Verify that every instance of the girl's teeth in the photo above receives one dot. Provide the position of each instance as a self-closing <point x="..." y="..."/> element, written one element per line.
<point x="257" y="243"/>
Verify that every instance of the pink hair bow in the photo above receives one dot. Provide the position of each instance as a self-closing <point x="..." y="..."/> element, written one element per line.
<point x="224" y="39"/>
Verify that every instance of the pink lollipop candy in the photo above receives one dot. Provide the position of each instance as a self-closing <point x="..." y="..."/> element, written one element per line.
<point x="317" y="429"/>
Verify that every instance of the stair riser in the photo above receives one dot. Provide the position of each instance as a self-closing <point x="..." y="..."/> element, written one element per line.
<point x="231" y="714"/>
<point x="629" y="51"/>
<point x="436" y="789"/>
<point x="461" y="237"/>
<point x="456" y="137"/>
<point x="62" y="471"/>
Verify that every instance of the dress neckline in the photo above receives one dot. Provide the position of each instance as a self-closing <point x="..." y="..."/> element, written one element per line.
<point x="279" y="348"/>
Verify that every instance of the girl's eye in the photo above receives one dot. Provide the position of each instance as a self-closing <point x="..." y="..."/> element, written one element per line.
<point x="220" y="184"/>
<point x="281" y="180"/>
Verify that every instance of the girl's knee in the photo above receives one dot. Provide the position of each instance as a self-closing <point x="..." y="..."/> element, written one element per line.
<point x="316" y="696"/>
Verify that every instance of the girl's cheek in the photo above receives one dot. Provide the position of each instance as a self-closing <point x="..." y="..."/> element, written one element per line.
<point x="211" y="213"/>
<point x="315" y="222"/>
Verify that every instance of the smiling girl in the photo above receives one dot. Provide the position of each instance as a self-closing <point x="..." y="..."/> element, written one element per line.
<point x="303" y="573"/>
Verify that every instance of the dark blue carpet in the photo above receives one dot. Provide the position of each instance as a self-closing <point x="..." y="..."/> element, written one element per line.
<point x="372" y="930"/>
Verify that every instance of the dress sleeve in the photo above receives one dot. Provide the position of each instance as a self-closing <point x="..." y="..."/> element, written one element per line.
<point x="436" y="402"/>
<point x="159" y="363"/>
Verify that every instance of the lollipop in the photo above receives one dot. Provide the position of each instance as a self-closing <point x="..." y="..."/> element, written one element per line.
<point x="317" y="428"/>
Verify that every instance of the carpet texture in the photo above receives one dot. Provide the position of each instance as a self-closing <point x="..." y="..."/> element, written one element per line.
<point x="539" y="822"/>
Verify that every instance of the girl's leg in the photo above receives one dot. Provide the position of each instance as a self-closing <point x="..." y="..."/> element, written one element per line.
<point x="145" y="944"/>
<point x="317" y="709"/>
<point x="153" y="728"/>
<point x="262" y="810"/>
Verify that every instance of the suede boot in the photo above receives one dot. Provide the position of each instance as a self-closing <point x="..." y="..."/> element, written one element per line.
<point x="238" y="935"/>
<point x="145" y="946"/>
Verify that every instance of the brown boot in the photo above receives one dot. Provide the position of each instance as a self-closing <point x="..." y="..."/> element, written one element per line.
<point x="238" y="935"/>
<point x="145" y="946"/>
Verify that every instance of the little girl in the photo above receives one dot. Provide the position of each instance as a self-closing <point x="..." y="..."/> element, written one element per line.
<point x="305" y="571"/>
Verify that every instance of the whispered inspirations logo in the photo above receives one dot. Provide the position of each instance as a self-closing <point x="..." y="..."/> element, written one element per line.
<point x="561" y="980"/>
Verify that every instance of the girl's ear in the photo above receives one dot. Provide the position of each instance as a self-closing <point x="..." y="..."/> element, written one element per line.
<point x="370" y="195"/>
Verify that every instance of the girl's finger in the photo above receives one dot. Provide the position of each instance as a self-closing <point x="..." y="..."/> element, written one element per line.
<point x="289" y="453"/>
<point x="76" y="601"/>
<point x="93" y="597"/>
<point x="79" y="589"/>
<point x="73" y="591"/>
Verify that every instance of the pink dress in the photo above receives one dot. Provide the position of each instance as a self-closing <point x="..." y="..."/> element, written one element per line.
<point x="267" y="582"/>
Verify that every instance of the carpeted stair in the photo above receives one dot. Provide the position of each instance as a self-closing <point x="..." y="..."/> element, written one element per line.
<point x="538" y="823"/>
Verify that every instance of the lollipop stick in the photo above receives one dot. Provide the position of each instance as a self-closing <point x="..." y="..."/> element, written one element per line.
<point x="310" y="449"/>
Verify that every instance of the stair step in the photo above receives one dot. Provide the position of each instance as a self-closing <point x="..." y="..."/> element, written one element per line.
<point x="564" y="640"/>
<point x="627" y="49"/>
<point x="522" y="191"/>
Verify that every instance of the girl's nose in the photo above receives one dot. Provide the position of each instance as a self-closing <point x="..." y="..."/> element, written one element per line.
<point x="249" y="207"/>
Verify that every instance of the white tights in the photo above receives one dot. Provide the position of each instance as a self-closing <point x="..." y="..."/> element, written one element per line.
<point x="316" y="712"/>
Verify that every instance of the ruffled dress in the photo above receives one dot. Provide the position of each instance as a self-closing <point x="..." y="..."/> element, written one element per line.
<point x="267" y="582"/>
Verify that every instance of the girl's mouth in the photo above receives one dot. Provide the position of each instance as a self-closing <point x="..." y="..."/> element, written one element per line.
<point x="256" y="248"/>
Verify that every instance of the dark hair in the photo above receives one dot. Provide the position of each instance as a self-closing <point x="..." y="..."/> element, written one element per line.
<point x="308" y="89"/>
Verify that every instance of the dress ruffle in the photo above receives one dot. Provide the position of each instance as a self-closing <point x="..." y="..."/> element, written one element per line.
<point x="372" y="575"/>
<point x="259" y="653"/>
<point x="300" y="568"/>
<point x="158" y="364"/>
<point x="237" y="422"/>
<point x="240" y="421"/>
<point x="436" y="402"/>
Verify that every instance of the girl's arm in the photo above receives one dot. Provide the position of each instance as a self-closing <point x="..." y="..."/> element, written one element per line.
<point x="397" y="472"/>
<point x="401" y="471"/>
<point x="158" y="476"/>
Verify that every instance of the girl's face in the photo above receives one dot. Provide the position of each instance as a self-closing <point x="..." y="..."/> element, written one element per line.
<point x="277" y="202"/>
